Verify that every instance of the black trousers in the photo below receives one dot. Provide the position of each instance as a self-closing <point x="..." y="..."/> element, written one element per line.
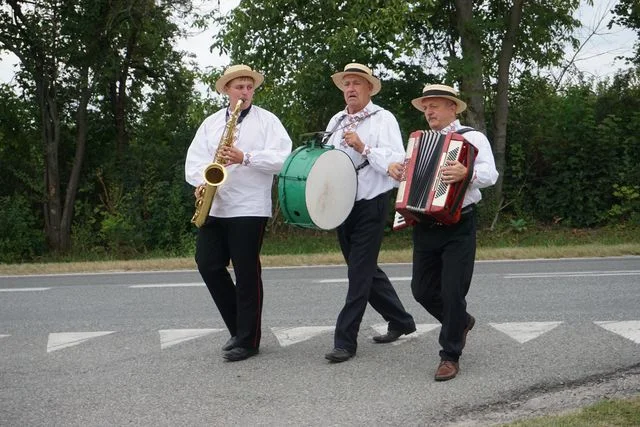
<point x="443" y="258"/>
<point x="360" y="238"/>
<point x="239" y="240"/>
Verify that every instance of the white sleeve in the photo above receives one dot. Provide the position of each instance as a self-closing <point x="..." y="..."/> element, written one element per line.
<point x="199" y="154"/>
<point x="485" y="173"/>
<point x="277" y="147"/>
<point x="388" y="147"/>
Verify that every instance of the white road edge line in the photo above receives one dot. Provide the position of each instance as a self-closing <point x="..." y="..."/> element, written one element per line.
<point x="393" y="279"/>
<point x="572" y="274"/>
<point x="167" y="285"/>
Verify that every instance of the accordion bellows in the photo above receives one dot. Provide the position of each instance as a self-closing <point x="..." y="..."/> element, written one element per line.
<point x="423" y="195"/>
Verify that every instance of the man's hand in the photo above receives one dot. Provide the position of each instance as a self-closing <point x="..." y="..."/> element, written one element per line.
<point x="353" y="140"/>
<point x="396" y="171"/>
<point x="231" y="155"/>
<point x="199" y="191"/>
<point x="453" y="172"/>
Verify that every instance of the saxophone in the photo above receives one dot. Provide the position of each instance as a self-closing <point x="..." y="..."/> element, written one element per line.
<point x="215" y="173"/>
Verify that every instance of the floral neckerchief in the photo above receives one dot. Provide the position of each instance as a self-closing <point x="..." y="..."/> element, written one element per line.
<point x="352" y="121"/>
<point x="450" y="128"/>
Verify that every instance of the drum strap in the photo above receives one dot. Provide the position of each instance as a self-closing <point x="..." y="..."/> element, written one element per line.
<point x="341" y="119"/>
<point x="464" y="130"/>
<point x="362" y="165"/>
<point x="335" y="128"/>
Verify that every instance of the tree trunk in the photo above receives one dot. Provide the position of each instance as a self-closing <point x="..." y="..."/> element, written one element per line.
<point x="78" y="160"/>
<point x="502" y="92"/>
<point x="51" y="140"/>
<point x="471" y="86"/>
<point x="120" y="97"/>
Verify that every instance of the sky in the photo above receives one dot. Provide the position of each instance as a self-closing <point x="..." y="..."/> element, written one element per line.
<point x="597" y="58"/>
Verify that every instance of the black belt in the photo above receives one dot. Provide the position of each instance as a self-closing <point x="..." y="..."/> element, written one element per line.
<point x="431" y="223"/>
<point x="468" y="209"/>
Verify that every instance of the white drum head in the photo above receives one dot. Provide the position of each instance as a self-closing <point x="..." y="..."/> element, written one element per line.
<point x="331" y="188"/>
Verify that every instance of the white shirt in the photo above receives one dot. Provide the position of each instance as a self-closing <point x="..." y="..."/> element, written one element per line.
<point x="484" y="169"/>
<point x="247" y="190"/>
<point x="383" y="145"/>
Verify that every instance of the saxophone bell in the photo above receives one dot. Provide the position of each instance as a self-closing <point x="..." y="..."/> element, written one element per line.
<point x="215" y="174"/>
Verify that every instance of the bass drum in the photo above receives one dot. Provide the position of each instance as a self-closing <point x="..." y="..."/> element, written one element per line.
<point x="317" y="187"/>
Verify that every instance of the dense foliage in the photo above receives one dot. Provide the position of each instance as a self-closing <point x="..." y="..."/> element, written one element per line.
<point x="571" y="157"/>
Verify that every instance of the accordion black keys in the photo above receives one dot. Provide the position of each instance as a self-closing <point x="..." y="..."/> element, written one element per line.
<point x="422" y="195"/>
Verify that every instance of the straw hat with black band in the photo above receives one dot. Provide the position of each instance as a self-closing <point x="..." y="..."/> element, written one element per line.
<point x="357" y="70"/>
<point x="440" y="91"/>
<point x="235" y="71"/>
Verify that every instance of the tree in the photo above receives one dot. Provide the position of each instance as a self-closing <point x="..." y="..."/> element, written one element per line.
<point x="485" y="45"/>
<point x="479" y="45"/>
<point x="299" y="48"/>
<point x="69" y="52"/>
<point x="627" y="14"/>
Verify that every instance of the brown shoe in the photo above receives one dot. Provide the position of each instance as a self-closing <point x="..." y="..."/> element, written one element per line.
<point x="447" y="370"/>
<point x="472" y="322"/>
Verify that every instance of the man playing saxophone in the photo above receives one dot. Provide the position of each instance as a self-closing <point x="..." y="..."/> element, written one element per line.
<point x="251" y="151"/>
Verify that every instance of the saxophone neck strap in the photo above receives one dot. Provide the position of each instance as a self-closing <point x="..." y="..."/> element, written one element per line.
<point x="243" y="114"/>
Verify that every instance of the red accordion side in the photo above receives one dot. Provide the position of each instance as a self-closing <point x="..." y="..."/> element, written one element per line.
<point x="423" y="193"/>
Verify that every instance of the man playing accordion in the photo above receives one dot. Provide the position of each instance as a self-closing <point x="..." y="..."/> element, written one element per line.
<point x="444" y="255"/>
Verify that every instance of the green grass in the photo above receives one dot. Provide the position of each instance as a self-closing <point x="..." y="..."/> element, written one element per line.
<point x="291" y="240"/>
<point x="294" y="246"/>
<point x="624" y="412"/>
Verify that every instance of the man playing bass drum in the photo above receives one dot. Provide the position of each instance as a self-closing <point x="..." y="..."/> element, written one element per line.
<point x="444" y="255"/>
<point x="370" y="135"/>
<point x="241" y="206"/>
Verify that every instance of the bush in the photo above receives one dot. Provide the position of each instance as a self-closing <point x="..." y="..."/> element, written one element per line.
<point x="20" y="237"/>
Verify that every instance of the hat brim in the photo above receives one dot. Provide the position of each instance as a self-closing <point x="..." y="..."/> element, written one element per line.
<point x="460" y="105"/>
<point x="223" y="80"/>
<point x="337" y="80"/>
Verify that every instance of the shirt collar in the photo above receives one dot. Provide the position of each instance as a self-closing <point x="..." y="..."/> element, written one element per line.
<point x="243" y="113"/>
<point x="368" y="109"/>
<point x="451" y="127"/>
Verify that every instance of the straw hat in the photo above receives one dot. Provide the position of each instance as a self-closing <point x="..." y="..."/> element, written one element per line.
<point x="440" y="91"/>
<point x="358" y="70"/>
<point x="235" y="71"/>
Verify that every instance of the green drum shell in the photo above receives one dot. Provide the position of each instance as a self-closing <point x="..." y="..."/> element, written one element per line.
<point x="292" y="182"/>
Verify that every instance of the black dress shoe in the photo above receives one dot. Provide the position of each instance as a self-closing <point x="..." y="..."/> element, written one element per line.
<point x="230" y="344"/>
<point x="338" y="355"/>
<point x="392" y="336"/>
<point x="240" y="353"/>
<point x="472" y="322"/>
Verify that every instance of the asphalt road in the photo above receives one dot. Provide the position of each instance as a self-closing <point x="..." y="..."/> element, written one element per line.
<point x="144" y="348"/>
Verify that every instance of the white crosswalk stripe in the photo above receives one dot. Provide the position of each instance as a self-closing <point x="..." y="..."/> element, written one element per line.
<point x="629" y="329"/>
<point x="521" y="332"/>
<point x="287" y="336"/>
<point x="171" y="337"/>
<point x="60" y="340"/>
<point x="525" y="331"/>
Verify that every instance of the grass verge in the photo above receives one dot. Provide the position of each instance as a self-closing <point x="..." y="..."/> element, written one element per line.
<point x="623" y="412"/>
<point x="324" y="258"/>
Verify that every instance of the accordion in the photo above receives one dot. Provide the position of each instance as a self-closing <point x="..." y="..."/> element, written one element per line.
<point x="422" y="195"/>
